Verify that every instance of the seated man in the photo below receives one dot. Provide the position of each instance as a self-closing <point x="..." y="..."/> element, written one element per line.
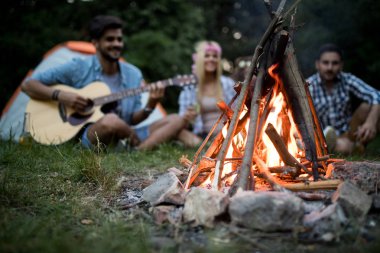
<point x="333" y="91"/>
<point x="107" y="36"/>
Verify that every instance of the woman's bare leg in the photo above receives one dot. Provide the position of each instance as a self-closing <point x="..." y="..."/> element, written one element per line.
<point x="162" y="130"/>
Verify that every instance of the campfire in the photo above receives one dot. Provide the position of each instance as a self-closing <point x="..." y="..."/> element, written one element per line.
<point x="271" y="140"/>
<point x="272" y="130"/>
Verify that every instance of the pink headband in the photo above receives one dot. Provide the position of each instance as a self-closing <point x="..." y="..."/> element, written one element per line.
<point x="211" y="47"/>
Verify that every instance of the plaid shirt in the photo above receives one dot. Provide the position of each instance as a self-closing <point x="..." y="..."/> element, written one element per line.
<point x="335" y="109"/>
<point x="188" y="97"/>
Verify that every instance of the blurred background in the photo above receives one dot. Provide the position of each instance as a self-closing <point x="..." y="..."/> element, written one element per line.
<point x="160" y="34"/>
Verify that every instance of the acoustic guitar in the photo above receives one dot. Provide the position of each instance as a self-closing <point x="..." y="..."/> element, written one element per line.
<point x="52" y="123"/>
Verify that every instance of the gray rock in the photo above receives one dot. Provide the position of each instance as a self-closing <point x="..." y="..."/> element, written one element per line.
<point x="266" y="211"/>
<point x="311" y="206"/>
<point x="376" y="201"/>
<point x="354" y="201"/>
<point x="325" y="225"/>
<point x="171" y="214"/>
<point x="202" y="206"/>
<point x="166" y="189"/>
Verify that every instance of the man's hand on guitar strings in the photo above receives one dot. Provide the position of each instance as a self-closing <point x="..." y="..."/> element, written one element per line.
<point x="75" y="101"/>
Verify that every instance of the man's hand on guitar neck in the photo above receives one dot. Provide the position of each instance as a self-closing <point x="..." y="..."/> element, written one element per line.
<point x="73" y="100"/>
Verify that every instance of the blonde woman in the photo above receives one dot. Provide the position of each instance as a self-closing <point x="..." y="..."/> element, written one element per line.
<point x="198" y="104"/>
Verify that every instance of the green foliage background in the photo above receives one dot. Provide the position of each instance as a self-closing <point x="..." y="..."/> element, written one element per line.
<point x="160" y="34"/>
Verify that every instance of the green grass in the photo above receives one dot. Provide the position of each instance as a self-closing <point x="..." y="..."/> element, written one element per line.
<point x="45" y="193"/>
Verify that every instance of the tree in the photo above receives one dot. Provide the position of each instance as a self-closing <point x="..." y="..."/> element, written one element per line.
<point x="159" y="34"/>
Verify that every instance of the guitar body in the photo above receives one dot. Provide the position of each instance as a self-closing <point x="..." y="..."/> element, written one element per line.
<point x="52" y="123"/>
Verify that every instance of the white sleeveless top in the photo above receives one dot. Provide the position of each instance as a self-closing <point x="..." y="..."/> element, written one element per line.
<point x="210" y="114"/>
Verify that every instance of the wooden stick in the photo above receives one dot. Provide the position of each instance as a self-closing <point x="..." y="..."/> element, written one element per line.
<point x="225" y="108"/>
<point x="251" y="138"/>
<point x="281" y="46"/>
<point x="282" y="149"/>
<point x="335" y="160"/>
<point x="319" y="185"/>
<point x="283" y="169"/>
<point x="319" y="158"/>
<point x="321" y="141"/>
<point x="307" y="163"/>
<point x="184" y="161"/>
<point x="263" y="169"/>
<point x="295" y="94"/>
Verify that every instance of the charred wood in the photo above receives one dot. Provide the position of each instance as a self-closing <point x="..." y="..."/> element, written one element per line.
<point x="282" y="149"/>
<point x="263" y="169"/>
<point x="295" y="93"/>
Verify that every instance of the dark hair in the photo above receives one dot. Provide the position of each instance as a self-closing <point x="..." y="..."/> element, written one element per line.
<point x="330" y="48"/>
<point x="99" y="24"/>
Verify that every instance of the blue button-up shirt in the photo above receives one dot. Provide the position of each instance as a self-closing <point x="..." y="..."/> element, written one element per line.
<point x="335" y="108"/>
<point x="80" y="72"/>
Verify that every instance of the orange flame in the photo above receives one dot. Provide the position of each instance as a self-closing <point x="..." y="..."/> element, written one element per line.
<point x="280" y="116"/>
<point x="277" y="115"/>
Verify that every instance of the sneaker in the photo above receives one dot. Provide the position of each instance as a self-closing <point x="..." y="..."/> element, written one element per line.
<point x="331" y="137"/>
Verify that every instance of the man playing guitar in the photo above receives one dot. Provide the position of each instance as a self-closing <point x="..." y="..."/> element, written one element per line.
<point x="107" y="36"/>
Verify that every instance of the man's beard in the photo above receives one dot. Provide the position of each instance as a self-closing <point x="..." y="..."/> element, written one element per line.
<point x="330" y="74"/>
<point x="108" y="57"/>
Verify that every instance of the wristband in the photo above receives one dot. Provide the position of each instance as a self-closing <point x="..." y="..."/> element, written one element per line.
<point x="55" y="94"/>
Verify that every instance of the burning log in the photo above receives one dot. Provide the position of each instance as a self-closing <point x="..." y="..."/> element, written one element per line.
<point x="213" y="150"/>
<point x="283" y="170"/>
<point x="276" y="185"/>
<point x="282" y="150"/>
<point x="277" y="169"/>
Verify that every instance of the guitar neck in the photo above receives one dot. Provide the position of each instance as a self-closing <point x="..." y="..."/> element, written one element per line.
<point x="130" y="92"/>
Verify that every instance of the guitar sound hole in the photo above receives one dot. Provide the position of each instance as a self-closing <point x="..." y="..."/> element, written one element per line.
<point x="110" y="107"/>
<point x="77" y="118"/>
